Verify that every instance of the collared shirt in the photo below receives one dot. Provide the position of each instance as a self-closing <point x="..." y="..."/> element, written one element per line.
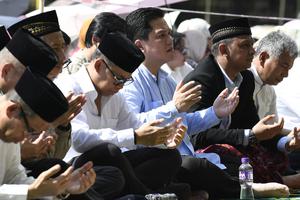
<point x="265" y="102"/>
<point x="114" y="124"/>
<point x="150" y="97"/>
<point x="264" y="97"/>
<point x="179" y="72"/>
<point x="13" y="178"/>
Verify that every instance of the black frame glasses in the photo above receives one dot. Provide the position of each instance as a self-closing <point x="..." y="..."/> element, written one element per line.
<point x="26" y="122"/>
<point x="67" y="63"/>
<point x="119" y="80"/>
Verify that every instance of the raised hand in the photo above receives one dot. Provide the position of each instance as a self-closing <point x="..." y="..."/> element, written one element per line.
<point x="295" y="142"/>
<point x="75" y="106"/>
<point x="35" y="146"/>
<point x="263" y="130"/>
<point x="186" y="95"/>
<point x="46" y="186"/>
<point x="81" y="179"/>
<point x="152" y="133"/>
<point x="225" y="104"/>
<point x="175" y="138"/>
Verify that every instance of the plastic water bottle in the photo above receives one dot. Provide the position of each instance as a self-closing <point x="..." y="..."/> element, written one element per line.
<point x="246" y="179"/>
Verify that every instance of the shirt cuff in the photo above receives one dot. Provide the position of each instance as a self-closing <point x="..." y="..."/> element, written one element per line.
<point x="246" y="137"/>
<point x="171" y="106"/>
<point x="16" y="192"/>
<point x="213" y="118"/>
<point x="126" y="138"/>
<point x="282" y="142"/>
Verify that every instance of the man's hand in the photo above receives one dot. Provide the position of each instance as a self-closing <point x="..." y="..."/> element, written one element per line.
<point x="35" y="147"/>
<point x="81" y="179"/>
<point x="151" y="134"/>
<point x="225" y="104"/>
<point x="186" y="95"/>
<point x="46" y="186"/>
<point x="75" y="106"/>
<point x="264" y="131"/>
<point x="175" y="138"/>
<point x="295" y="142"/>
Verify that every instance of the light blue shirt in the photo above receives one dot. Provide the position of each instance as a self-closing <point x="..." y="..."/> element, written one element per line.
<point x="150" y="97"/>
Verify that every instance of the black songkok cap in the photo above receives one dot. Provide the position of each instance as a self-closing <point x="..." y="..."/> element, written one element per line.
<point x="121" y="51"/>
<point x="4" y="37"/>
<point x="41" y="95"/>
<point x="32" y="51"/>
<point x="38" y="25"/>
<point x="229" y="29"/>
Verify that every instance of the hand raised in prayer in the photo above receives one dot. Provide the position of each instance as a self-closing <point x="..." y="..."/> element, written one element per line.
<point x="81" y="179"/>
<point x="225" y="104"/>
<point x="153" y="133"/>
<point x="46" y="186"/>
<point x="295" y="141"/>
<point x="35" y="146"/>
<point x="75" y="106"/>
<point x="263" y="130"/>
<point x="186" y="95"/>
<point x="176" y="137"/>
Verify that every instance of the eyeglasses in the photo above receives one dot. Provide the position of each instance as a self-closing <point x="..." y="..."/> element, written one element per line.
<point x="28" y="128"/>
<point x="119" y="80"/>
<point x="67" y="63"/>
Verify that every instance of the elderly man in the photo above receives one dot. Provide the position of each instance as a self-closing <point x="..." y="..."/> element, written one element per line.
<point x="33" y="105"/>
<point x="154" y="94"/>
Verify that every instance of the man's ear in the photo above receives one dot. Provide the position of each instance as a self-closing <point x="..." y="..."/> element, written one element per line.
<point x="12" y="109"/>
<point x="95" y="40"/>
<point x="6" y="69"/>
<point x="98" y="64"/>
<point x="263" y="56"/>
<point x="223" y="49"/>
<point x="139" y="44"/>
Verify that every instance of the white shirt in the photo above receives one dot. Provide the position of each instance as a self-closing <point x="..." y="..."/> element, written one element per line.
<point x="288" y="97"/>
<point x="264" y="97"/>
<point x="13" y="178"/>
<point x="179" y="73"/>
<point x="115" y="124"/>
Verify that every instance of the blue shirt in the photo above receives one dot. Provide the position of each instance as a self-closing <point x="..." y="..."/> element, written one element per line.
<point x="150" y="97"/>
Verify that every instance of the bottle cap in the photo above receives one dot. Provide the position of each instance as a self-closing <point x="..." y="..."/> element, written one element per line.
<point x="245" y="160"/>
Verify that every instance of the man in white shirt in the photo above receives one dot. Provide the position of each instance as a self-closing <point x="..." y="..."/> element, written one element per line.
<point x="106" y="118"/>
<point x="21" y="112"/>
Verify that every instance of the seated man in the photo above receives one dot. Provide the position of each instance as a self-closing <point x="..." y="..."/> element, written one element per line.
<point x="106" y="118"/>
<point x="232" y="54"/>
<point x="34" y="104"/>
<point x="153" y="94"/>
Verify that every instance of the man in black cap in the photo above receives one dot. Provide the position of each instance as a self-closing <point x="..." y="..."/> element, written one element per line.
<point x="232" y="54"/>
<point x="106" y="118"/>
<point x="46" y="27"/>
<point x="153" y="93"/>
<point x="33" y="105"/>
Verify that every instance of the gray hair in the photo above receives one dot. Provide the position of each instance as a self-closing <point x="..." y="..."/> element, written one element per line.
<point x="276" y="43"/>
<point x="215" y="47"/>
<point x="7" y="57"/>
<point x="12" y="95"/>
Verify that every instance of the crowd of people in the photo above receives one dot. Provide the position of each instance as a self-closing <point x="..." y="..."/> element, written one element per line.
<point x="143" y="111"/>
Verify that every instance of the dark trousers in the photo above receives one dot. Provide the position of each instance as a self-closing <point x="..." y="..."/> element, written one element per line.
<point x="109" y="181"/>
<point x="202" y="174"/>
<point x="144" y="169"/>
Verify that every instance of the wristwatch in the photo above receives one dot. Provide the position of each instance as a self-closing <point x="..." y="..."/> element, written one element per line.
<point x="251" y="138"/>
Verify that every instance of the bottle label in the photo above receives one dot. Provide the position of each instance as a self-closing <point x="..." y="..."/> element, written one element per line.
<point x="245" y="175"/>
